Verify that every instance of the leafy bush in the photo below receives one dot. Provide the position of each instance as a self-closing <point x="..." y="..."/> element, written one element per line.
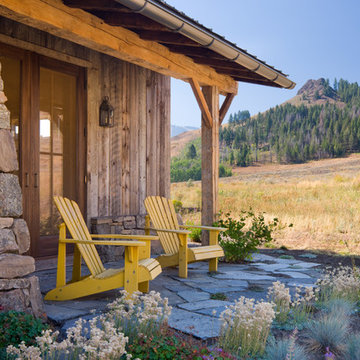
<point x="195" y="233"/>
<point x="237" y="241"/>
<point x="17" y="327"/>
<point x="169" y="345"/>
<point x="177" y="205"/>
<point x="224" y="171"/>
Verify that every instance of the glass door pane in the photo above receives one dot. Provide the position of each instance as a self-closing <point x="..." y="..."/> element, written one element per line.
<point x="57" y="144"/>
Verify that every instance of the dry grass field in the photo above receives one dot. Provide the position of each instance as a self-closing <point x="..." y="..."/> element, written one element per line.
<point x="320" y="199"/>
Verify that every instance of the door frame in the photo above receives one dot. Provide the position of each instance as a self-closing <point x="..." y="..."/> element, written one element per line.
<point x="29" y="152"/>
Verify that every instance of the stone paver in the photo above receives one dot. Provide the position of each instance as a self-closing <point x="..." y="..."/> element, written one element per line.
<point x="193" y="309"/>
<point x="199" y="325"/>
<point x="191" y="295"/>
<point x="204" y="304"/>
<point x="242" y="275"/>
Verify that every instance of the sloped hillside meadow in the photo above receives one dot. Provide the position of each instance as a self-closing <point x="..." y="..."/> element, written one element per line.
<point x="321" y="200"/>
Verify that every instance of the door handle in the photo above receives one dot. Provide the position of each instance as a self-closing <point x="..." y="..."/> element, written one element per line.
<point x="36" y="180"/>
<point x="26" y="179"/>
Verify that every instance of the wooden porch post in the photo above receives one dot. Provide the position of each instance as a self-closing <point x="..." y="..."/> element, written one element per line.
<point x="210" y="161"/>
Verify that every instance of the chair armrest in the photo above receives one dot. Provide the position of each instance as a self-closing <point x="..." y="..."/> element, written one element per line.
<point x="125" y="237"/>
<point x="180" y="232"/>
<point x="92" y="242"/>
<point x="210" y="228"/>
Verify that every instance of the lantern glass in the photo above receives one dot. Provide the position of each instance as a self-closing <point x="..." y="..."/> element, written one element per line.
<point x="106" y="113"/>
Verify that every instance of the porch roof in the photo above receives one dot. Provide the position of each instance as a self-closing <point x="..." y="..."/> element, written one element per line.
<point x="157" y="21"/>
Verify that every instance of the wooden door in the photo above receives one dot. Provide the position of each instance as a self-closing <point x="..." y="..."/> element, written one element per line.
<point x="50" y="129"/>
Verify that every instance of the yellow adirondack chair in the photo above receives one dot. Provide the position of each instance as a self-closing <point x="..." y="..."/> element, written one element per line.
<point x="138" y="270"/>
<point x="173" y="237"/>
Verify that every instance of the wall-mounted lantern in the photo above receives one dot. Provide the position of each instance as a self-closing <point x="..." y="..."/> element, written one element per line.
<point x="106" y="113"/>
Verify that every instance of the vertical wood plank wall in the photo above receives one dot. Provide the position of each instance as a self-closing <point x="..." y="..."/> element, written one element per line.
<point x="131" y="160"/>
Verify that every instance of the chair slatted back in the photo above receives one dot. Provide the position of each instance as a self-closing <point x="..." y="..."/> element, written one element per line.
<point x="163" y="216"/>
<point x="75" y="222"/>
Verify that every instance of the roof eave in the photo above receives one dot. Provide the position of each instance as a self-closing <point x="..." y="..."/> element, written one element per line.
<point x="176" y="22"/>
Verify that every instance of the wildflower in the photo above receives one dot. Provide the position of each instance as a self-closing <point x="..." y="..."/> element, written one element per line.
<point x="245" y="326"/>
<point x="329" y="355"/>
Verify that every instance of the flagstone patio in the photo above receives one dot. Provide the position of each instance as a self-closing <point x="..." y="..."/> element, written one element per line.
<point x="194" y="312"/>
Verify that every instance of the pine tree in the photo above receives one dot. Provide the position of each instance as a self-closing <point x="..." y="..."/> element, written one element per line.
<point x="191" y="152"/>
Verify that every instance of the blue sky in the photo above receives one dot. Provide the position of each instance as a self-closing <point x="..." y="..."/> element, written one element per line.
<point x="306" y="39"/>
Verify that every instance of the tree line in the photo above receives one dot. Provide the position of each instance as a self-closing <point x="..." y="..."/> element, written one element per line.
<point x="187" y="166"/>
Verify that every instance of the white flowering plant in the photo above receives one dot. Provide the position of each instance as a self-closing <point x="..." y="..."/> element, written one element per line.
<point x="104" y="337"/>
<point x="302" y="305"/>
<point x="297" y="308"/>
<point x="102" y="342"/>
<point x="139" y="314"/>
<point x="245" y="327"/>
<point x="279" y="295"/>
<point x="342" y="282"/>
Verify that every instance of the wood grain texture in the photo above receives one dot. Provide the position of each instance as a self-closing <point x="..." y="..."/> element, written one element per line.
<point x="210" y="161"/>
<point x="124" y="163"/>
<point x="85" y="29"/>
<point x="132" y="159"/>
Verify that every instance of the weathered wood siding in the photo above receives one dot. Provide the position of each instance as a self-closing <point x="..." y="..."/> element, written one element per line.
<point x="131" y="160"/>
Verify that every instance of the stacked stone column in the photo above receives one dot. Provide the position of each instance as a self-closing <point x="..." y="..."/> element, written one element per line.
<point x="17" y="292"/>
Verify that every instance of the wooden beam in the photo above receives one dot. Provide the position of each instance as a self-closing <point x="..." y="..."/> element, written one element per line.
<point x="225" y="107"/>
<point x="210" y="162"/>
<point x="254" y="81"/>
<point x="194" y="51"/>
<point x="201" y="102"/>
<point x="129" y="20"/>
<point x="96" y="5"/>
<point x="220" y="63"/>
<point x="83" y="28"/>
<point x="166" y="38"/>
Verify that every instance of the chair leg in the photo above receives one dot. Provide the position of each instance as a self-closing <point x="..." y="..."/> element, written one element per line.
<point x="76" y="274"/>
<point x="213" y="264"/>
<point x="183" y="257"/>
<point x="131" y="282"/>
<point x="144" y="287"/>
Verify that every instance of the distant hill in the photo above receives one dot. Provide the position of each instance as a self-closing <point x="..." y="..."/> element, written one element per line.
<point x="176" y="130"/>
<point x="179" y="142"/>
<point x="316" y="92"/>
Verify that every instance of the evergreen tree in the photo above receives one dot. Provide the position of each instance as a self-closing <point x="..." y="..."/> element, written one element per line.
<point x="191" y="153"/>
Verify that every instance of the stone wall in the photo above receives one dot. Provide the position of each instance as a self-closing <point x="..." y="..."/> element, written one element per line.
<point x="125" y="225"/>
<point x="16" y="292"/>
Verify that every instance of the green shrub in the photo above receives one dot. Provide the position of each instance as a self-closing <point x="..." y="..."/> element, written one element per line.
<point x="218" y="296"/>
<point x="17" y="327"/>
<point x="195" y="234"/>
<point x="224" y="171"/>
<point x="170" y="346"/>
<point x="177" y="205"/>
<point x="237" y="241"/>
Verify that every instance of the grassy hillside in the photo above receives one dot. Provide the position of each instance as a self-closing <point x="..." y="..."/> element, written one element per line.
<point x="320" y="199"/>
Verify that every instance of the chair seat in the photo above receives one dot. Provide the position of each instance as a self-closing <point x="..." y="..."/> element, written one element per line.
<point x="148" y="270"/>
